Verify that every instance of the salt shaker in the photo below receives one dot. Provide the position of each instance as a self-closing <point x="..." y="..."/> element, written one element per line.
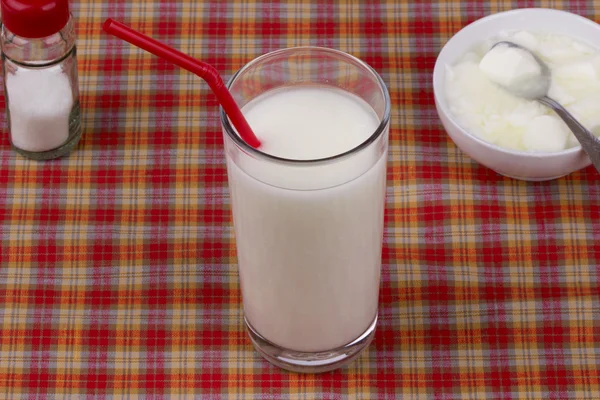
<point x="40" y="77"/>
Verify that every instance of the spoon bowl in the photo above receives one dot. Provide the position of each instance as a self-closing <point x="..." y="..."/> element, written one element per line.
<point x="533" y="90"/>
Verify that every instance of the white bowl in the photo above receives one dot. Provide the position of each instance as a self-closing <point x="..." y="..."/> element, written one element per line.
<point x="515" y="164"/>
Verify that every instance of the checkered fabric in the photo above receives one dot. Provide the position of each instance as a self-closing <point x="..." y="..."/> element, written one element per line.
<point x="118" y="274"/>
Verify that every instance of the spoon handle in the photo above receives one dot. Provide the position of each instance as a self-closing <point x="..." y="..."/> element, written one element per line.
<point x="589" y="143"/>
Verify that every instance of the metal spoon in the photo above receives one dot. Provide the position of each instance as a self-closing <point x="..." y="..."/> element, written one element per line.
<point x="589" y="142"/>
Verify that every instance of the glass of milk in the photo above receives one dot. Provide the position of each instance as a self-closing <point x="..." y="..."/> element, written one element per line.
<point x="308" y="205"/>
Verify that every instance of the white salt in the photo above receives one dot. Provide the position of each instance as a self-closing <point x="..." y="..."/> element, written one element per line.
<point x="40" y="103"/>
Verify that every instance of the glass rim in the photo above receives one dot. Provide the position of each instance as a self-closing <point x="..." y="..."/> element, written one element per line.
<point x="372" y="138"/>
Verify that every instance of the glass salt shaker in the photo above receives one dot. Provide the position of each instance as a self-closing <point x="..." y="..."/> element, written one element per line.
<point x="40" y="77"/>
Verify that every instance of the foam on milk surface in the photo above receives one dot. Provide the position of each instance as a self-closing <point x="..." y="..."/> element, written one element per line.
<point x="309" y="260"/>
<point x="294" y="122"/>
<point x="501" y="118"/>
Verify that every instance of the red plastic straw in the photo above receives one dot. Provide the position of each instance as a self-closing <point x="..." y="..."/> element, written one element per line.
<point x="202" y="69"/>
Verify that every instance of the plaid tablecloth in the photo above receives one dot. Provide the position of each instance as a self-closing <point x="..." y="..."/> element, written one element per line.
<point x="118" y="274"/>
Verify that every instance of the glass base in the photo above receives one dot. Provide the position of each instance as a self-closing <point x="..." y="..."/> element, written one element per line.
<point x="322" y="361"/>
<point x="50" y="154"/>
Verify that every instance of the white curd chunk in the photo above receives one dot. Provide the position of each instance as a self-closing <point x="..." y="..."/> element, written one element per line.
<point x="526" y="39"/>
<point x="584" y="70"/>
<point x="546" y="133"/>
<point x="510" y="67"/>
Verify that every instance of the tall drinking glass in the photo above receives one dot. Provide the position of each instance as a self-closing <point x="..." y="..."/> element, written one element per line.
<point x="309" y="232"/>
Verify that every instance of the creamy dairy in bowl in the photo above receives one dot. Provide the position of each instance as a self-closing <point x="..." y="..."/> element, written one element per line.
<point x="493" y="114"/>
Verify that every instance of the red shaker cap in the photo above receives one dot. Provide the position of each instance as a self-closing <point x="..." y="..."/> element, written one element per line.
<point x="35" y="19"/>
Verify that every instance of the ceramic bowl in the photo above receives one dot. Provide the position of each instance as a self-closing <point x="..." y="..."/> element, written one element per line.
<point x="515" y="164"/>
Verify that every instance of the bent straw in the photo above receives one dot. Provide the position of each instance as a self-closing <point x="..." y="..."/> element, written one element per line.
<point x="202" y="69"/>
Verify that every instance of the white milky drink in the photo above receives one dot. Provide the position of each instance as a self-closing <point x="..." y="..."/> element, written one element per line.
<point x="309" y="237"/>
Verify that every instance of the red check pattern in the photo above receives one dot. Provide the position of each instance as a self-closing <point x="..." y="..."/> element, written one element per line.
<point x="118" y="274"/>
